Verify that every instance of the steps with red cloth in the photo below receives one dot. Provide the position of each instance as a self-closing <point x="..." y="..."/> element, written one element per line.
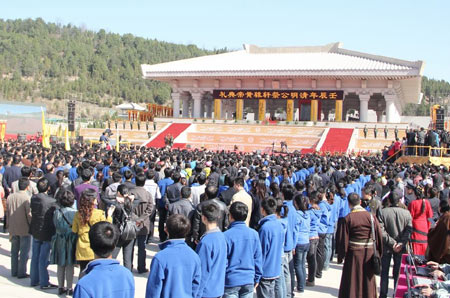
<point x="337" y="140"/>
<point x="175" y="129"/>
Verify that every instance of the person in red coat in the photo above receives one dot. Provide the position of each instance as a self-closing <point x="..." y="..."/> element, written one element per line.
<point x="421" y="212"/>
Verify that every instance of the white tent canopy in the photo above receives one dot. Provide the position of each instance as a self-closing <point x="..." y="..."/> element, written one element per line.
<point x="130" y="106"/>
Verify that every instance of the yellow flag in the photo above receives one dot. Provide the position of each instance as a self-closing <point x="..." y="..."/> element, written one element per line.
<point x="45" y="133"/>
<point x="67" y="143"/>
<point x="2" y="131"/>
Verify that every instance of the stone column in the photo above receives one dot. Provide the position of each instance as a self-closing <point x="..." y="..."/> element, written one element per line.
<point x="217" y="108"/>
<point x="176" y="104"/>
<point x="338" y="110"/>
<point x="290" y="110"/>
<point x="364" y="107"/>
<point x="185" y="112"/>
<point x="391" y="109"/>
<point x="197" y="97"/>
<point x="314" y="109"/>
<point x="239" y="109"/>
<point x="262" y="110"/>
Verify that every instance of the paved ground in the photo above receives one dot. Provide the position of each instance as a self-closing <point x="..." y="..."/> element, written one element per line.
<point x="11" y="287"/>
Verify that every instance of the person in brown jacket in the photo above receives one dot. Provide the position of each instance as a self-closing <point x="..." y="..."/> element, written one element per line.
<point x="19" y="218"/>
<point x="143" y="211"/>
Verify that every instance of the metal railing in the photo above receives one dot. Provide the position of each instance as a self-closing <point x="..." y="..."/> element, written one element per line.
<point x="427" y="151"/>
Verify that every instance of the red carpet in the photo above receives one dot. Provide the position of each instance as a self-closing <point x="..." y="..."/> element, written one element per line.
<point x="337" y="140"/>
<point x="175" y="129"/>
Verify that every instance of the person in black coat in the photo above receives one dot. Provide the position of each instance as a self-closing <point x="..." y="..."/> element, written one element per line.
<point x="198" y="228"/>
<point x="42" y="229"/>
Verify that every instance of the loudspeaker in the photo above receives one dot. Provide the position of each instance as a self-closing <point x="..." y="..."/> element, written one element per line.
<point x="440" y="125"/>
<point x="71" y="115"/>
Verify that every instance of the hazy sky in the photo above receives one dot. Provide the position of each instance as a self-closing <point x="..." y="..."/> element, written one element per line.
<point x="404" y="29"/>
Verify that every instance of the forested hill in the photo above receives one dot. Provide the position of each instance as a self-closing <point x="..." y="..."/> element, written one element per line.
<point x="39" y="59"/>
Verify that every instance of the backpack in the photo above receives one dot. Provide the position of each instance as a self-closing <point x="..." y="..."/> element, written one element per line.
<point x="128" y="228"/>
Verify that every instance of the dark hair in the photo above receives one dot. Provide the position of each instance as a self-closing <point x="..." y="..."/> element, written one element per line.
<point x="239" y="181"/>
<point x="103" y="237"/>
<point x="239" y="211"/>
<point x="282" y="210"/>
<point x="444" y="206"/>
<point x="288" y="192"/>
<point x="201" y="179"/>
<point x="211" y="211"/>
<point x="116" y="177"/>
<point x="178" y="226"/>
<point x="128" y="174"/>
<point x="86" y="174"/>
<point x="123" y="189"/>
<point x="176" y="177"/>
<point x="65" y="198"/>
<point x="140" y="179"/>
<point x="185" y="192"/>
<point x="25" y="171"/>
<point x="43" y="185"/>
<point x="301" y="202"/>
<point x="354" y="199"/>
<point x="393" y="198"/>
<point x="151" y="174"/>
<point x="211" y="191"/>
<point x="23" y="183"/>
<point x="269" y="205"/>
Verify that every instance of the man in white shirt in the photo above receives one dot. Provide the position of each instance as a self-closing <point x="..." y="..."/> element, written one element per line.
<point x="198" y="190"/>
<point x="152" y="187"/>
<point x="243" y="196"/>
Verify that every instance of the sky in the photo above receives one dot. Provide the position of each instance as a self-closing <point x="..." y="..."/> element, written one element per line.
<point x="403" y="29"/>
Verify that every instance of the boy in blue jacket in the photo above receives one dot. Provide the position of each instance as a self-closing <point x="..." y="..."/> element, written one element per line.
<point x="244" y="268"/>
<point x="271" y="235"/>
<point x="290" y="243"/>
<point x="324" y="237"/>
<point x="105" y="277"/>
<point x="175" y="270"/>
<point x="212" y="250"/>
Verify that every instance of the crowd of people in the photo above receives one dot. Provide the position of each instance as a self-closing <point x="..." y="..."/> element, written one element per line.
<point x="418" y="142"/>
<point x="229" y="223"/>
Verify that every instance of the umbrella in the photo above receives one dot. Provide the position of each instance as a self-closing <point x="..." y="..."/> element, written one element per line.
<point x="130" y="106"/>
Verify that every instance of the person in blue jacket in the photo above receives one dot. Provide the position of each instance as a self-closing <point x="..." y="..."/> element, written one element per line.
<point x="334" y="202"/>
<point x="161" y="205"/>
<point x="244" y="267"/>
<point x="105" y="277"/>
<point x="212" y="250"/>
<point x="175" y="270"/>
<point x="288" y="192"/>
<point x="271" y="235"/>
<point x="315" y="214"/>
<point x="303" y="230"/>
<point x="282" y="213"/>
<point x="324" y="237"/>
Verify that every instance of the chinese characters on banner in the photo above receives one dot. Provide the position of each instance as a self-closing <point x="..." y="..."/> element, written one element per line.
<point x="279" y="94"/>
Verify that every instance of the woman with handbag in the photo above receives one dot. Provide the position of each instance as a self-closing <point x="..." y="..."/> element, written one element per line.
<point x="360" y="244"/>
<point x="64" y="241"/>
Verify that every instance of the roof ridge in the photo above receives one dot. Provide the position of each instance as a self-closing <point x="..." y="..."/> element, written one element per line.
<point x="328" y="48"/>
<point x="413" y="64"/>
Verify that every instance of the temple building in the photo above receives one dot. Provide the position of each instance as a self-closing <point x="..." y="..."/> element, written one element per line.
<point x="311" y="83"/>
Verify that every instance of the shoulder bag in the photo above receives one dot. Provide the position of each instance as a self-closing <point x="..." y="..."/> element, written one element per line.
<point x="128" y="228"/>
